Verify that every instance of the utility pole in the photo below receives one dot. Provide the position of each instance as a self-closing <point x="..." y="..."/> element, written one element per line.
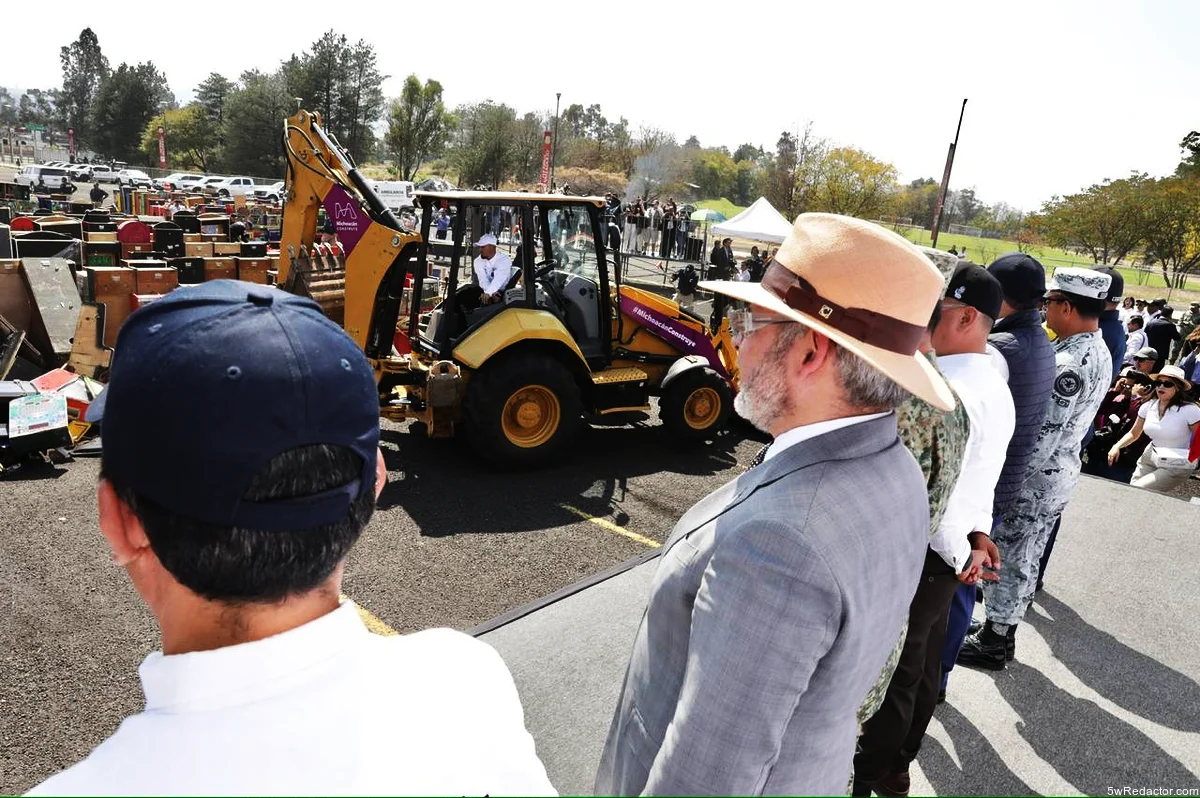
<point x="554" y="144"/>
<point x="941" y="198"/>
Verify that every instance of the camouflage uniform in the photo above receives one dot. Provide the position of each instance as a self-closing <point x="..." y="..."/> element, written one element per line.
<point x="1083" y="367"/>
<point x="1186" y="325"/>
<point x="937" y="440"/>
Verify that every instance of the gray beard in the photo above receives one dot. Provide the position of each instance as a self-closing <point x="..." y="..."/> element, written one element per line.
<point x="763" y="396"/>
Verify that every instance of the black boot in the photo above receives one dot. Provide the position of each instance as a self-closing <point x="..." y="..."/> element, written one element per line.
<point x="1010" y="640"/>
<point x="985" y="649"/>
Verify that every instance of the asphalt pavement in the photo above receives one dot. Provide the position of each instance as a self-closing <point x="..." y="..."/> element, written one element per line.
<point x="1102" y="698"/>
<point x="454" y="543"/>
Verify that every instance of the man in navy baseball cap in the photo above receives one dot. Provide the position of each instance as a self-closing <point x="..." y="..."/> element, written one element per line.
<point x="241" y="463"/>
<point x="211" y="383"/>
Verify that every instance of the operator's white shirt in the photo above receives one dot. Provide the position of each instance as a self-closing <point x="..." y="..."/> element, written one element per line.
<point x="324" y="709"/>
<point x="493" y="275"/>
<point x="989" y="405"/>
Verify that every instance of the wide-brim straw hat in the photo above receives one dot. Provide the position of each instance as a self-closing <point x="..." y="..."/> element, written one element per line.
<point x="1173" y="373"/>
<point x="862" y="286"/>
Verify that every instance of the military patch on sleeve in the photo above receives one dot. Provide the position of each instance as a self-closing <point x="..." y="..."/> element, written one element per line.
<point x="1068" y="384"/>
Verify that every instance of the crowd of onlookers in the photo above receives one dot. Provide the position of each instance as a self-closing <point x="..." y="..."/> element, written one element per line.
<point x="1141" y="434"/>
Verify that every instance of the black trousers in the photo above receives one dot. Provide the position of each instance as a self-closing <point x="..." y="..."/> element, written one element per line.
<point x="892" y="736"/>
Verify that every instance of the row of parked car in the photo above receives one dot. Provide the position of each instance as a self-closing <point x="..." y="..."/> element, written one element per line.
<point x="221" y="186"/>
<point x="59" y="176"/>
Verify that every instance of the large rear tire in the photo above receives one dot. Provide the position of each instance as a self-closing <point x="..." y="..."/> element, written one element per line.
<point x="696" y="405"/>
<point x="522" y="410"/>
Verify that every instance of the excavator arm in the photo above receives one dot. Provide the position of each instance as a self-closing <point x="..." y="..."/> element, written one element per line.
<point x="358" y="278"/>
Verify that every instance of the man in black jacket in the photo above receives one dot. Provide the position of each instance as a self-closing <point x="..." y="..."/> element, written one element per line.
<point x="1020" y="338"/>
<point x="722" y="261"/>
<point x="1160" y="333"/>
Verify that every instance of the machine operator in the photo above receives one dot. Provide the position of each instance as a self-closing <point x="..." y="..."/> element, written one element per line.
<point x="493" y="270"/>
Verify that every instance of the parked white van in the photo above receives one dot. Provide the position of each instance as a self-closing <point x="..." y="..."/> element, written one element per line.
<point x="53" y="177"/>
<point x="396" y="194"/>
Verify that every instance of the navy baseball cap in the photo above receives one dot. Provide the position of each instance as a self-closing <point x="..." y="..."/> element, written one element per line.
<point x="1022" y="277"/>
<point x="211" y="382"/>
<point x="1116" y="289"/>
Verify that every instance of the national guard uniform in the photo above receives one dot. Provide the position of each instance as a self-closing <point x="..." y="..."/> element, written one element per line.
<point x="1083" y="367"/>
<point x="1186" y="325"/>
<point x="937" y="440"/>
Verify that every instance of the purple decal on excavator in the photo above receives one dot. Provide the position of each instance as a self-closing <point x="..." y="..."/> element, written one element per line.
<point x="687" y="340"/>
<point x="350" y="221"/>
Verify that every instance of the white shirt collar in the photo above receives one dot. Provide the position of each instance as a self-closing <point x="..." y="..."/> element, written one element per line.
<point x="249" y="671"/>
<point x="807" y="431"/>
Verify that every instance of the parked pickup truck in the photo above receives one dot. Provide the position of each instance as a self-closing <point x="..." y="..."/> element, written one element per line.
<point x="272" y="193"/>
<point x="103" y="173"/>
<point x="234" y="187"/>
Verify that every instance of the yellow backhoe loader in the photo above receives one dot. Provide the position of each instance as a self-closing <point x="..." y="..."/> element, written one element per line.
<point x="518" y="371"/>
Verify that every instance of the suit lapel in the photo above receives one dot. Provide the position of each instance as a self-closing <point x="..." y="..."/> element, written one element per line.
<point x="847" y="443"/>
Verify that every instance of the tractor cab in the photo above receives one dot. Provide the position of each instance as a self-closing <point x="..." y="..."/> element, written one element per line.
<point x="558" y="265"/>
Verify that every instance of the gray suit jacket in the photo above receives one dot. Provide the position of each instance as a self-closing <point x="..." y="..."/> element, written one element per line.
<point x="775" y="604"/>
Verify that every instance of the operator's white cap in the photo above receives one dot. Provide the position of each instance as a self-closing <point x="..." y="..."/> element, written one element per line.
<point x="486" y="240"/>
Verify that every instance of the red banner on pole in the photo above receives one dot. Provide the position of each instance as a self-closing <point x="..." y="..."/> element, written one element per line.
<point x="162" y="148"/>
<point x="71" y="141"/>
<point x="545" y="178"/>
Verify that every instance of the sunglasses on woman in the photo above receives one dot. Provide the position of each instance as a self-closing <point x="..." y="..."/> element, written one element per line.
<point x="1165" y="384"/>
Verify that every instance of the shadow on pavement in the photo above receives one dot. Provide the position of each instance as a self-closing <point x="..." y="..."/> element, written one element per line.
<point x="1085" y="744"/>
<point x="1128" y="678"/>
<point x="982" y="772"/>
<point x="437" y="481"/>
<point x="33" y="471"/>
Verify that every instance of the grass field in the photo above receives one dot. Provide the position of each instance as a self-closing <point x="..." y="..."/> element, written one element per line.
<point x="722" y="206"/>
<point x="986" y="250"/>
<point x="1138" y="282"/>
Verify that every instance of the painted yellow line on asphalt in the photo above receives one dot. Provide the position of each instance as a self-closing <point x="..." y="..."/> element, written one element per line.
<point x="604" y="523"/>
<point x="370" y="620"/>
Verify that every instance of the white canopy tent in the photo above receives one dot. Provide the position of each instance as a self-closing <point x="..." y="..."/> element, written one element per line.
<point x="759" y="222"/>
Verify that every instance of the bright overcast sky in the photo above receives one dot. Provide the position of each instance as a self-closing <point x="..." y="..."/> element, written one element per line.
<point x="1061" y="94"/>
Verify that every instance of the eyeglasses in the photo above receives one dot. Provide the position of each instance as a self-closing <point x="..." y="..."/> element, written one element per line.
<point x="743" y="322"/>
<point x="1050" y="300"/>
<point x="1165" y="384"/>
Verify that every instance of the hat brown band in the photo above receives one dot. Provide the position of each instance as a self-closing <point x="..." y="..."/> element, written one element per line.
<point x="867" y="326"/>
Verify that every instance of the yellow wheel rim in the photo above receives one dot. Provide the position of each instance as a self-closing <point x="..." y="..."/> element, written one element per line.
<point x="702" y="408"/>
<point x="531" y="416"/>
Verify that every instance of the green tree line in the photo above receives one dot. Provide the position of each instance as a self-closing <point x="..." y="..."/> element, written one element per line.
<point x="234" y="125"/>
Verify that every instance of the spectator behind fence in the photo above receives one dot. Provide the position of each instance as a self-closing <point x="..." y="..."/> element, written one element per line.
<point x="234" y="530"/>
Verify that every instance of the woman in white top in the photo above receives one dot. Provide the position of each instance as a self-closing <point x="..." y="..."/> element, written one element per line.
<point x="1169" y="421"/>
<point x="1126" y="310"/>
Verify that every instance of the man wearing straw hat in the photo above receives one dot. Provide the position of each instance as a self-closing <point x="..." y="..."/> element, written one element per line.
<point x="778" y="597"/>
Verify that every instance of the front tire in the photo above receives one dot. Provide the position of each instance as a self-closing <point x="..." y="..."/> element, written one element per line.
<point x="696" y="405"/>
<point x="522" y="410"/>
